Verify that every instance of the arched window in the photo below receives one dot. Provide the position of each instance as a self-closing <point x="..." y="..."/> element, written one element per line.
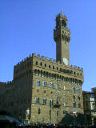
<point x="79" y="98"/>
<point x="49" y="66"/>
<point x="40" y="63"/>
<point x="45" y="65"/>
<point x="36" y="62"/>
<point x="44" y="83"/>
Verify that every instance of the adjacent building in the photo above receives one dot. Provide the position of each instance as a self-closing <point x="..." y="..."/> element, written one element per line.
<point x="45" y="90"/>
<point x="89" y="102"/>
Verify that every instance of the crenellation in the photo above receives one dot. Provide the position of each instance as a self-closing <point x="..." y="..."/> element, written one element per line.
<point x="43" y="58"/>
<point x="74" y="71"/>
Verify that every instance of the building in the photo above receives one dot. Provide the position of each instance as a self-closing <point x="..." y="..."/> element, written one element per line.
<point x="46" y="90"/>
<point x="89" y="101"/>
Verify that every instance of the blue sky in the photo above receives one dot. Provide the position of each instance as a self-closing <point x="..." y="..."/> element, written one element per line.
<point x="26" y="26"/>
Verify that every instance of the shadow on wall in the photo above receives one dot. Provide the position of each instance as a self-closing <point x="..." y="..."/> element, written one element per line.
<point x="73" y="119"/>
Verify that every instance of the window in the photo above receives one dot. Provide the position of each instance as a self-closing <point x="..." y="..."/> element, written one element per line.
<point x="45" y="65"/>
<point x="51" y="92"/>
<point x="39" y="110"/>
<point x="73" y="98"/>
<point x="51" y="103"/>
<point x="44" y="83"/>
<point x="49" y="66"/>
<point x="38" y="83"/>
<point x="74" y="105"/>
<point x="40" y="63"/>
<point x="74" y="90"/>
<point x="79" y="105"/>
<point x="36" y="62"/>
<point x="37" y="100"/>
<point x="44" y="101"/>
<point x="79" y="90"/>
<point x="57" y="100"/>
<point x="79" y="98"/>
<point x="57" y="113"/>
<point x="50" y="84"/>
<point x="37" y="90"/>
<point x="92" y="95"/>
<point x="44" y="91"/>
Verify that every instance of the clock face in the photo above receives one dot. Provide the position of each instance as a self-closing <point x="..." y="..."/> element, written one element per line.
<point x="65" y="61"/>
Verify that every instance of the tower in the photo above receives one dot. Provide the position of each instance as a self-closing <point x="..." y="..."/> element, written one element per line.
<point x="62" y="38"/>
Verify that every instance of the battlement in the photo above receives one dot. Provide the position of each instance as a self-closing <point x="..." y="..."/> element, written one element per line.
<point x="42" y="63"/>
<point x="47" y="59"/>
<point x="54" y="61"/>
<point x="6" y="84"/>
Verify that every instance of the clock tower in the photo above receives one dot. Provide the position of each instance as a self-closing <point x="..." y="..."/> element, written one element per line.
<point x="62" y="38"/>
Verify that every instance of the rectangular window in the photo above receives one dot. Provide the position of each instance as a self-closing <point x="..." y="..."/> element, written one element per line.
<point x="51" y="103"/>
<point x="37" y="100"/>
<point x="79" y="105"/>
<point x="74" y="90"/>
<point x="44" y="101"/>
<point x="44" y="83"/>
<point x="74" y="98"/>
<point x="39" y="110"/>
<point x="92" y="96"/>
<point x="38" y="83"/>
<point x="74" y="105"/>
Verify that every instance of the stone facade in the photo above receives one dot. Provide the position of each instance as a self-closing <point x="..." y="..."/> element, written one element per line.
<point x="44" y="90"/>
<point x="6" y="96"/>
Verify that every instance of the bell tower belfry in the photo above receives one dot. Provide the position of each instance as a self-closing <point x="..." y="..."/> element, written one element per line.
<point x="62" y="38"/>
